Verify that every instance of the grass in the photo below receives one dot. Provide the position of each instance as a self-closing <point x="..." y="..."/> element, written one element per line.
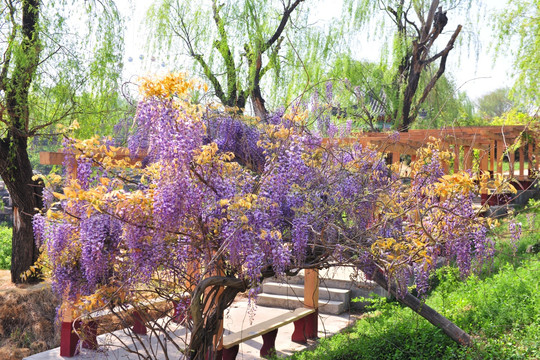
<point x="499" y="308"/>
<point x="5" y="246"/>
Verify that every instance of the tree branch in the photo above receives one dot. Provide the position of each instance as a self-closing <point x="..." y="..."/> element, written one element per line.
<point x="442" y="67"/>
<point x="210" y="75"/>
<point x="429" y="21"/>
<point x="286" y="15"/>
<point x="8" y="52"/>
<point x="222" y="45"/>
<point x="448" y="327"/>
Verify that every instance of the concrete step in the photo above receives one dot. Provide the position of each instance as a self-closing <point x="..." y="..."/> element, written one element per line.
<point x="335" y="278"/>
<point x="292" y="302"/>
<point x="298" y="291"/>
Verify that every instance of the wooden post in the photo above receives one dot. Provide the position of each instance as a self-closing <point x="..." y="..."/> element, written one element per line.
<point x="492" y="156"/>
<point x="521" y="163"/>
<point x="483" y="161"/>
<point x="467" y="158"/>
<point x="511" y="164"/>
<point x="456" y="158"/>
<point x="68" y="332"/>
<point x="395" y="157"/>
<point x="311" y="300"/>
<point x="446" y="167"/>
<point x="530" y="171"/>
<point x="483" y="166"/>
<point x="536" y="158"/>
<point x="68" y="336"/>
<point x="500" y="153"/>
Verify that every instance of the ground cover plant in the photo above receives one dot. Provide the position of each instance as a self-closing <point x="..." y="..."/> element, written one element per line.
<point x="500" y="308"/>
<point x="220" y="201"/>
<point x="5" y="246"/>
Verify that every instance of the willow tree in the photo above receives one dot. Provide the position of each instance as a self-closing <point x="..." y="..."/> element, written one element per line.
<point x="363" y="91"/>
<point x="519" y="24"/>
<point x="418" y="48"/>
<point x="42" y="71"/>
<point x="236" y="43"/>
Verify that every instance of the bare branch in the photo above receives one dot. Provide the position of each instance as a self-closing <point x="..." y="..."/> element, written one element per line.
<point x="443" y="55"/>
<point x="286" y="15"/>
<point x="429" y="20"/>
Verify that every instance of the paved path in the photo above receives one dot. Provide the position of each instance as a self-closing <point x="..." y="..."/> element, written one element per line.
<point x="236" y="318"/>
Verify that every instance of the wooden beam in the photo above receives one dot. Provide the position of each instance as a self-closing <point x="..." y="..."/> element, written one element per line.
<point x="265" y="327"/>
<point x="51" y="158"/>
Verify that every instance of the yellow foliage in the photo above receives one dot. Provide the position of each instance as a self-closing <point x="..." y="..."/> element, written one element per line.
<point x="172" y="84"/>
<point x="297" y="117"/>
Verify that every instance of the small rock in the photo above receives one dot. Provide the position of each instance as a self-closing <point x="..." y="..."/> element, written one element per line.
<point x="38" y="346"/>
<point x="533" y="249"/>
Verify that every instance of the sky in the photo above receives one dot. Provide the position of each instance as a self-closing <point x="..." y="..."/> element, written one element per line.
<point x="476" y="72"/>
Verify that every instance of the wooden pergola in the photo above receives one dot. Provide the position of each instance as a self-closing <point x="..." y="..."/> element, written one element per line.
<point x="478" y="148"/>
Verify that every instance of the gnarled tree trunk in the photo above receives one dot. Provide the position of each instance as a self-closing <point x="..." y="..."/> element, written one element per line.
<point x="15" y="167"/>
<point x="25" y="195"/>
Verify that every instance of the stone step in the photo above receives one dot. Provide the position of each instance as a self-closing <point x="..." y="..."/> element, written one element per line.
<point x="292" y="302"/>
<point x="337" y="278"/>
<point x="298" y="291"/>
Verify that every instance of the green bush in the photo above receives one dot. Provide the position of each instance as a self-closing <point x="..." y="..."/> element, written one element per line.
<point x="499" y="308"/>
<point x="5" y="247"/>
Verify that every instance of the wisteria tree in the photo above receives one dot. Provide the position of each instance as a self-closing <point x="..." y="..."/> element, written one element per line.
<point x="221" y="202"/>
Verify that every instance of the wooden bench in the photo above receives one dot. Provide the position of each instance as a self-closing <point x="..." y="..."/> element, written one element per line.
<point x="268" y="330"/>
<point x="85" y="329"/>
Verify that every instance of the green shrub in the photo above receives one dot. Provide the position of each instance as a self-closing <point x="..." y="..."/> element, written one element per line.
<point x="5" y="247"/>
<point x="499" y="308"/>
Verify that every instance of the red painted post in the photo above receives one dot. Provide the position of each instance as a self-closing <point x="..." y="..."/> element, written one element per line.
<point x="299" y="333"/>
<point x="456" y="158"/>
<point x="138" y="326"/>
<point x="181" y="310"/>
<point x="230" y="353"/>
<point x="69" y="338"/>
<point x="269" y="343"/>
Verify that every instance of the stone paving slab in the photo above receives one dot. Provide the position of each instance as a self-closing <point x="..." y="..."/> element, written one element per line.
<point x="235" y="318"/>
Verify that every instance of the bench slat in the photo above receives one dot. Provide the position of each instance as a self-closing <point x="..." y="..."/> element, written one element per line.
<point x="264" y="327"/>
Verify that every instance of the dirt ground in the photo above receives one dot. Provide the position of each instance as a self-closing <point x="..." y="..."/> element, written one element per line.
<point x="27" y="318"/>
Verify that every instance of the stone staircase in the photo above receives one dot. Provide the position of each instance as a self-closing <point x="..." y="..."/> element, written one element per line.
<point x="336" y="290"/>
<point x="291" y="296"/>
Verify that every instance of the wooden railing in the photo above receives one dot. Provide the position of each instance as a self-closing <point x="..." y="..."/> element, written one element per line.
<point x="478" y="148"/>
<point x="481" y="148"/>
